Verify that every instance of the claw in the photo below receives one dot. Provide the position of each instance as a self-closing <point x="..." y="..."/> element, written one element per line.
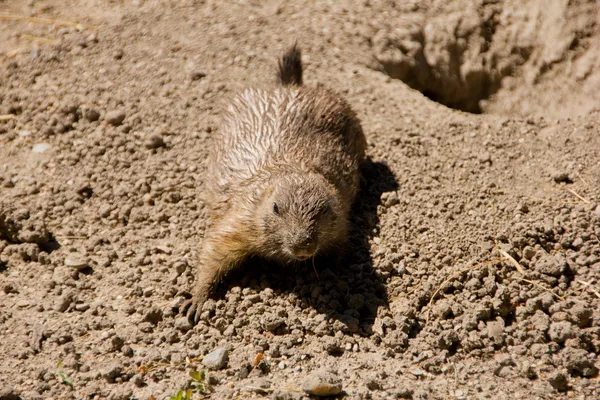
<point x="192" y="308"/>
<point x="193" y="312"/>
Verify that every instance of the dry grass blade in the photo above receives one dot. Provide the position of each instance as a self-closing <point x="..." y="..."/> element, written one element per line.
<point x="574" y="193"/>
<point x="39" y="39"/>
<point x="453" y="276"/>
<point x="583" y="180"/>
<point x="6" y="117"/>
<point x="45" y="21"/>
<point x="512" y="261"/>
<point x="589" y="286"/>
<point x="542" y="287"/>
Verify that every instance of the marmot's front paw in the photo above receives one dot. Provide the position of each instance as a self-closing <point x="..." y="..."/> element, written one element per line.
<point x="192" y="308"/>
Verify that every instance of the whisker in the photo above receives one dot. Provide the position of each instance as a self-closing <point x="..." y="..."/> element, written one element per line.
<point x="314" y="268"/>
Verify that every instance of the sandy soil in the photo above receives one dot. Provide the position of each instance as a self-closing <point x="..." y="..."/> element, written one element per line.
<point x="474" y="270"/>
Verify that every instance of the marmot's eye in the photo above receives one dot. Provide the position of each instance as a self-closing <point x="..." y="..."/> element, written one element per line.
<point x="275" y="209"/>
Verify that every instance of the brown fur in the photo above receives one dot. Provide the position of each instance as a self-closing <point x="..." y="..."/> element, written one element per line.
<point x="282" y="174"/>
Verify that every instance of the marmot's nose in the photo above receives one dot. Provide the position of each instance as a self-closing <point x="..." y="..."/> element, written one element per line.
<point x="305" y="247"/>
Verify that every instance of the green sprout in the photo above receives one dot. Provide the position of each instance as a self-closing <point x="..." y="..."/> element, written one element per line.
<point x="61" y="375"/>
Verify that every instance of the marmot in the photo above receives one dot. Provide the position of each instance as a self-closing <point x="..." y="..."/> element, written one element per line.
<point x="282" y="174"/>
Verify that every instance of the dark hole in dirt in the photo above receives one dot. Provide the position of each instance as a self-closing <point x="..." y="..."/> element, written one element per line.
<point x="453" y="93"/>
<point x="86" y="192"/>
<point x="50" y="245"/>
<point x="3" y="266"/>
<point x="350" y="292"/>
<point x="86" y="271"/>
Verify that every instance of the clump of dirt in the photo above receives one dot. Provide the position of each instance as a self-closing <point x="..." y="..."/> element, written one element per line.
<point x="474" y="265"/>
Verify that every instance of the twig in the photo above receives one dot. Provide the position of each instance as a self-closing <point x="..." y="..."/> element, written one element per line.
<point x="576" y="195"/>
<point x="589" y="286"/>
<point x="6" y="117"/>
<point x="46" y="21"/>
<point x="513" y="262"/>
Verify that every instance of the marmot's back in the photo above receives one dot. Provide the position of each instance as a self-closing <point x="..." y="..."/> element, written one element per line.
<point x="289" y="129"/>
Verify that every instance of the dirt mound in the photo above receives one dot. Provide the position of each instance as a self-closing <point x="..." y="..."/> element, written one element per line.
<point x="475" y="258"/>
<point x="499" y="57"/>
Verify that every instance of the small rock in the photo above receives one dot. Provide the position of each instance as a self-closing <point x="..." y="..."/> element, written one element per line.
<point x="91" y="114"/>
<point x="197" y="75"/>
<point x="40" y="147"/>
<point x="115" y="117"/>
<point x="154" y="316"/>
<point x="559" y="381"/>
<point x="77" y="261"/>
<point x="551" y="265"/>
<point x="484" y="157"/>
<point x="322" y="383"/>
<point x="127" y="351"/>
<point x="496" y="331"/>
<point x="154" y="142"/>
<point x="559" y="332"/>
<point x="183" y="324"/>
<point x="82" y="307"/>
<point x="285" y="395"/>
<point x="523" y="208"/>
<point x="580" y="315"/>
<point x="138" y="380"/>
<point x="261" y="386"/>
<point x="561" y="176"/>
<point x="64" y="302"/>
<point x="529" y="252"/>
<point x="112" y="371"/>
<point x="578" y="362"/>
<point x="118" y="54"/>
<point x="22" y="303"/>
<point x="216" y="359"/>
<point x="116" y="343"/>
<point x="105" y="210"/>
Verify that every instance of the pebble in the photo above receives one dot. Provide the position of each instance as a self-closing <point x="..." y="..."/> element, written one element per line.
<point x="77" y="261"/>
<point x="112" y="371"/>
<point x="559" y="381"/>
<point x="105" y="210"/>
<point x="216" y="359"/>
<point x="91" y="114"/>
<point x="561" y="176"/>
<point x="197" y="75"/>
<point x="22" y="303"/>
<point x="559" y="332"/>
<point x="322" y="383"/>
<point x="529" y="252"/>
<point x="64" y="302"/>
<point x="154" y="142"/>
<point x="183" y="324"/>
<point x="82" y="307"/>
<point x="115" y="117"/>
<point x="40" y="147"/>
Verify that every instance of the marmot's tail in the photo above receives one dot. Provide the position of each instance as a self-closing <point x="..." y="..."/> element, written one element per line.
<point x="290" y="67"/>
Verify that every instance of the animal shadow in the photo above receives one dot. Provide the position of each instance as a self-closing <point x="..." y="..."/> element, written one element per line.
<point x="348" y="291"/>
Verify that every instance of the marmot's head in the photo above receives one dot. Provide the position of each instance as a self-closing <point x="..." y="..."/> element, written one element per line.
<point x="299" y="215"/>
